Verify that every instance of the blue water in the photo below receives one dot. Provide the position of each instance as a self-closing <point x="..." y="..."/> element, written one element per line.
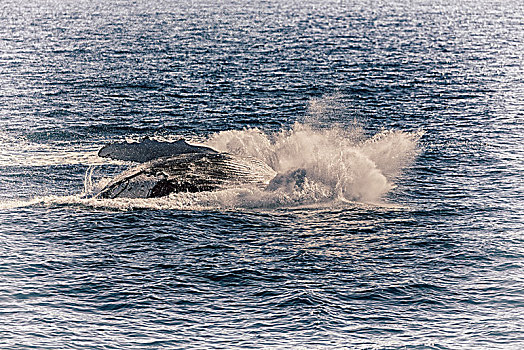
<point x="408" y="117"/>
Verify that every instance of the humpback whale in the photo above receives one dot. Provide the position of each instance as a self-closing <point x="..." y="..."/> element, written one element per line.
<point x="171" y="167"/>
<point x="148" y="149"/>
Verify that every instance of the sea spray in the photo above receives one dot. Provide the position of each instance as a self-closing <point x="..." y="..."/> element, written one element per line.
<point x="340" y="163"/>
<point x="88" y="180"/>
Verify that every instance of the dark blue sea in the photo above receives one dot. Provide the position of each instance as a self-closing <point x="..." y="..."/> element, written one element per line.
<point x="406" y="119"/>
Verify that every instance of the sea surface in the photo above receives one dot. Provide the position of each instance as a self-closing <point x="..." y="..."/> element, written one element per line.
<point x="405" y="118"/>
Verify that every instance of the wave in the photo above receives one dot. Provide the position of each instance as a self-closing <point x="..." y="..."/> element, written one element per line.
<point x="19" y="152"/>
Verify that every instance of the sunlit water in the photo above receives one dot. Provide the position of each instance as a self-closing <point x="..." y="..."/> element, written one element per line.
<point x="406" y="231"/>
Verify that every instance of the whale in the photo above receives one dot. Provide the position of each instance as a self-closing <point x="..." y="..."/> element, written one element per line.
<point x="148" y="149"/>
<point x="172" y="167"/>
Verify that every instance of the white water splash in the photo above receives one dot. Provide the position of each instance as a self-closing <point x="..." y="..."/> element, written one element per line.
<point x="337" y="163"/>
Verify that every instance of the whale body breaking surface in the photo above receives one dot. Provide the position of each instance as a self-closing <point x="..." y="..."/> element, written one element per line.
<point x="172" y="167"/>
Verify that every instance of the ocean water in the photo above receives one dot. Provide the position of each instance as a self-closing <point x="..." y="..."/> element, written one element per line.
<point x="406" y="117"/>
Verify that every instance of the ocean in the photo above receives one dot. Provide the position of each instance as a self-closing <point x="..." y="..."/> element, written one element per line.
<point x="395" y="129"/>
